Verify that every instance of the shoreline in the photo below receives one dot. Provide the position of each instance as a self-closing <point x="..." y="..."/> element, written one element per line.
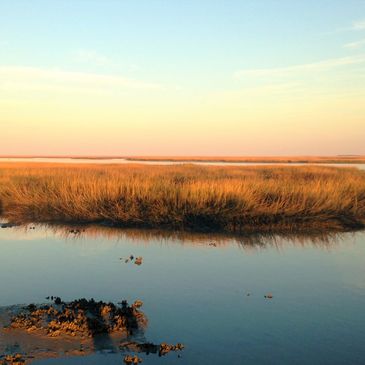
<point x="310" y="229"/>
<point x="339" y="159"/>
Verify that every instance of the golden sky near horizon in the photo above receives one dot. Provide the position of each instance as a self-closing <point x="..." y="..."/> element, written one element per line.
<point x="260" y="122"/>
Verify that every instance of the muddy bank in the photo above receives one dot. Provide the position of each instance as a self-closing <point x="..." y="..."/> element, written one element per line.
<point x="85" y="318"/>
<point x="77" y="328"/>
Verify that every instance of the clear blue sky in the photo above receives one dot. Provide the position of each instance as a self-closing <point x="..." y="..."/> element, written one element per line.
<point x="216" y="61"/>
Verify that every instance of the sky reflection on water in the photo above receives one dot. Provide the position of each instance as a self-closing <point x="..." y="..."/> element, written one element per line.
<point x="125" y="161"/>
<point x="196" y="293"/>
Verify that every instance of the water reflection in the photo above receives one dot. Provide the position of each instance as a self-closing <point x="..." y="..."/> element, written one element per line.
<point x="194" y="288"/>
<point x="119" y="161"/>
<point x="109" y="235"/>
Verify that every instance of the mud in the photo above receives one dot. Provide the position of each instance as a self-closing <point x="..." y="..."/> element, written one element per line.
<point x="76" y="328"/>
<point x="85" y="318"/>
<point x="137" y="260"/>
<point x="129" y="359"/>
<point x="150" y="348"/>
<point x="16" y="359"/>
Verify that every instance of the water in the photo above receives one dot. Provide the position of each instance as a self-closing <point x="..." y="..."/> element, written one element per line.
<point x="124" y="161"/>
<point x="196" y="293"/>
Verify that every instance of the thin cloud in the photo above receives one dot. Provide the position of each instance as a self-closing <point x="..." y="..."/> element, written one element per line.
<point x="69" y="79"/>
<point x="290" y="70"/>
<point x="91" y="56"/>
<point x="358" y="25"/>
<point x="355" y="45"/>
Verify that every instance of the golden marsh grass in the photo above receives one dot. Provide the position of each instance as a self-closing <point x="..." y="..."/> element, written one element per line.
<point x="214" y="198"/>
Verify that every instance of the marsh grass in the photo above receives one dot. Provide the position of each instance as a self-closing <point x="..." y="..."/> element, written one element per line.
<point x="204" y="198"/>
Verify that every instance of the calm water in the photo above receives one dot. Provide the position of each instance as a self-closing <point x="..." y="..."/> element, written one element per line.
<point x="196" y="293"/>
<point x="124" y="161"/>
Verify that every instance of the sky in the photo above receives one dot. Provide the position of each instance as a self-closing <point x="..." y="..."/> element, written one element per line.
<point x="207" y="77"/>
